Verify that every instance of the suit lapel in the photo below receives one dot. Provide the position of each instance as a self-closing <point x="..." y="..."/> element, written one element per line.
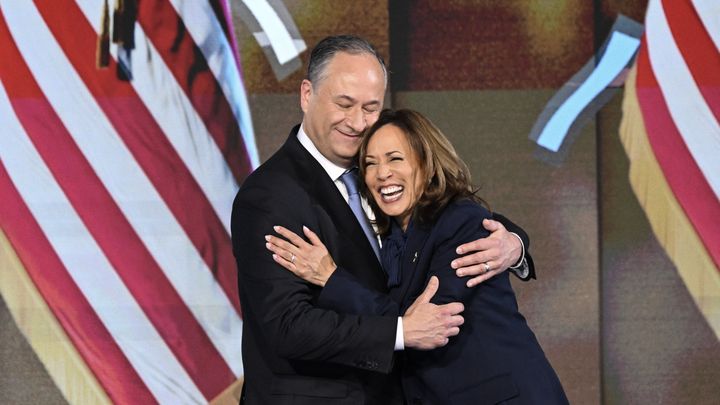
<point x="315" y="180"/>
<point x="412" y="278"/>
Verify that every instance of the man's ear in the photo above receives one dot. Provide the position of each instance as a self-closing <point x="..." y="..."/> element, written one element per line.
<point x="305" y="94"/>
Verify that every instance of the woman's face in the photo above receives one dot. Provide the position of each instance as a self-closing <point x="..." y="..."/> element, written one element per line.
<point x="393" y="174"/>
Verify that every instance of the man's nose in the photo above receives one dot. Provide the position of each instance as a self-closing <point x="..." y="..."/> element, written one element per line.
<point x="356" y="120"/>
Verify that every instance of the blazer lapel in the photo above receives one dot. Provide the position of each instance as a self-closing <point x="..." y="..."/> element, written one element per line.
<point x="412" y="278"/>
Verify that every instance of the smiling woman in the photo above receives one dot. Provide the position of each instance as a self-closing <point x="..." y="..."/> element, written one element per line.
<point x="425" y="205"/>
<point x="410" y="167"/>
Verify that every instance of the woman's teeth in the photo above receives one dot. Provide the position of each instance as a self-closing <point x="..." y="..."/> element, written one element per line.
<point x="391" y="193"/>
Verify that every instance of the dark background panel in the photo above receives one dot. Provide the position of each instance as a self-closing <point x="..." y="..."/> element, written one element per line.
<point x="513" y="44"/>
<point x="486" y="44"/>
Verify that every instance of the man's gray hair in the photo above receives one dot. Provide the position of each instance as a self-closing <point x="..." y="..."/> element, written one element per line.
<point x="328" y="47"/>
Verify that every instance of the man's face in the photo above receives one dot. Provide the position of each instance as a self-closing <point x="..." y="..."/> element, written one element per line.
<point x="347" y="100"/>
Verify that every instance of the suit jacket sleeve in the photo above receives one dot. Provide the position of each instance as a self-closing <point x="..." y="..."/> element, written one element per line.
<point x="512" y="227"/>
<point x="459" y="224"/>
<point x="344" y="293"/>
<point x="284" y="307"/>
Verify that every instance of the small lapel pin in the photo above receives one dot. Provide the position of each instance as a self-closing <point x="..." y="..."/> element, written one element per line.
<point x="415" y="257"/>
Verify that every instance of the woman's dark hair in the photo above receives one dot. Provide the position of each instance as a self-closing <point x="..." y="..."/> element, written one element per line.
<point x="446" y="176"/>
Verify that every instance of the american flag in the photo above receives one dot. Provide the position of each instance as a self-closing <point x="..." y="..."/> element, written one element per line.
<point x="671" y="133"/>
<point x="116" y="186"/>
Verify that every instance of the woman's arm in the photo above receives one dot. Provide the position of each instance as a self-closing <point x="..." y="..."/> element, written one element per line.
<point x="423" y="326"/>
<point x="311" y="261"/>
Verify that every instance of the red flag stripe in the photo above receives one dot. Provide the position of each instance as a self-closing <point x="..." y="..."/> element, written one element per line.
<point x="147" y="142"/>
<point x="697" y="49"/>
<point x="681" y="172"/>
<point x="191" y="70"/>
<point x="693" y="118"/>
<point x="91" y="339"/>
<point x="123" y="248"/>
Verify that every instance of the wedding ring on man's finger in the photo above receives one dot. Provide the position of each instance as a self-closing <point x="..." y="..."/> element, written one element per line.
<point x="292" y="259"/>
<point x="487" y="267"/>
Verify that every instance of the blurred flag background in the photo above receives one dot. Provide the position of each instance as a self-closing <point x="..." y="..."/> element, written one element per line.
<point x="125" y="134"/>
<point x="671" y="134"/>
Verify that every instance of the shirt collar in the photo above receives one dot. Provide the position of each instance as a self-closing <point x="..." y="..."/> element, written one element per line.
<point x="333" y="170"/>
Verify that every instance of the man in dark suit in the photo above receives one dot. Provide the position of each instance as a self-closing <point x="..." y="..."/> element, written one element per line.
<point x="294" y="349"/>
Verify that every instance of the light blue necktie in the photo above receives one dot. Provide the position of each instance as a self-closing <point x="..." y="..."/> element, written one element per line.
<point x="350" y="180"/>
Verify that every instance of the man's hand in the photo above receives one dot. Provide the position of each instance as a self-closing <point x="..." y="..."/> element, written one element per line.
<point x="427" y="326"/>
<point x="488" y="257"/>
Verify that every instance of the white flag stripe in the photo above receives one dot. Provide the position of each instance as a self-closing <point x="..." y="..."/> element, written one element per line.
<point x="709" y="13"/>
<point x="692" y="116"/>
<point x="87" y="265"/>
<point x="139" y="201"/>
<point x="205" y="29"/>
<point x="172" y="110"/>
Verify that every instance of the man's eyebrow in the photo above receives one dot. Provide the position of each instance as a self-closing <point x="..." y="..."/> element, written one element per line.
<point x="352" y="100"/>
<point x="346" y="97"/>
